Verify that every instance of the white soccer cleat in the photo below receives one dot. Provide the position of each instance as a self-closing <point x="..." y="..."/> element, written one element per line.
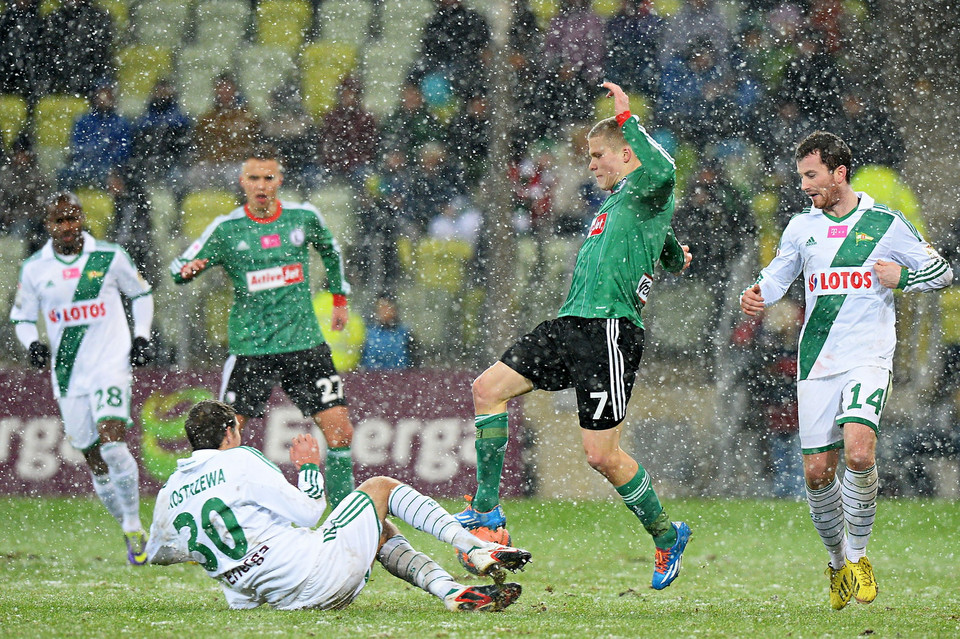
<point x="492" y="560"/>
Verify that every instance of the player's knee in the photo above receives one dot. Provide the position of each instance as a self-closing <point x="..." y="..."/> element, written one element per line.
<point x="378" y="486"/>
<point x="599" y="459"/>
<point x="859" y="459"/>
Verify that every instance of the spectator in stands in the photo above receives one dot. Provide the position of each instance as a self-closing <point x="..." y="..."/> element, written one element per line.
<point x="813" y="79"/>
<point x="525" y="42"/>
<point x="23" y="190"/>
<point x="101" y="141"/>
<point x="533" y="179"/>
<point x="696" y="20"/>
<point x="469" y="135"/>
<point x="132" y="225"/>
<point x="21" y="53"/>
<point x="633" y="37"/>
<point x="78" y="43"/>
<point x="161" y="137"/>
<point x="455" y="41"/>
<point x="389" y="344"/>
<point x="349" y="139"/>
<point x="434" y="183"/>
<point x="459" y="220"/>
<point x="290" y="129"/>
<point x="575" y="40"/>
<point x="223" y="138"/>
<point x="411" y="124"/>
<point x="378" y="224"/>
<point x="869" y="130"/>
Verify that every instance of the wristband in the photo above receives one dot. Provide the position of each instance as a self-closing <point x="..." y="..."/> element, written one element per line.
<point x="904" y="276"/>
<point x="339" y="300"/>
<point x="623" y="117"/>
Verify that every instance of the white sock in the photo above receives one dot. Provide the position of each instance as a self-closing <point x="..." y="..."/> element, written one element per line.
<point x="106" y="490"/>
<point x="125" y="475"/>
<point x="425" y="514"/>
<point x="859" y="508"/>
<point x="826" y="511"/>
<point x="404" y="561"/>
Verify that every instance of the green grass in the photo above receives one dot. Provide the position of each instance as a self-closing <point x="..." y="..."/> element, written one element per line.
<point x="753" y="569"/>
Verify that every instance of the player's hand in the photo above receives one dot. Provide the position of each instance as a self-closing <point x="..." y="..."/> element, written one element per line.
<point x="304" y="450"/>
<point x="339" y="317"/>
<point x="687" y="257"/>
<point x="39" y="355"/>
<point x="888" y="273"/>
<point x="751" y="302"/>
<point x="192" y="268"/>
<point x="142" y="351"/>
<point x="621" y="102"/>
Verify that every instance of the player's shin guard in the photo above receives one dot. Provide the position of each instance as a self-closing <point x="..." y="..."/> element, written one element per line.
<point x="826" y="511"/>
<point x="425" y="514"/>
<point x="339" y="474"/>
<point x="125" y="476"/>
<point x="106" y="491"/>
<point x="403" y="561"/>
<point x="493" y="433"/>
<point x="640" y="497"/>
<point x="859" y="508"/>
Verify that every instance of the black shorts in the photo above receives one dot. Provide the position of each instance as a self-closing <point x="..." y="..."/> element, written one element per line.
<point x="307" y="377"/>
<point x="597" y="357"/>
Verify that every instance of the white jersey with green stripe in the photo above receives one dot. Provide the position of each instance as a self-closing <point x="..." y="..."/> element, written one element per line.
<point x="849" y="318"/>
<point x="79" y="299"/>
<point x="233" y="512"/>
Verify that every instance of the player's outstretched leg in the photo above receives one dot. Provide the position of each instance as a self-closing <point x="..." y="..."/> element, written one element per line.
<point x="841" y="585"/>
<point x="491" y="561"/>
<point x="667" y="562"/>
<point x="489" y="598"/>
<point x="864" y="582"/>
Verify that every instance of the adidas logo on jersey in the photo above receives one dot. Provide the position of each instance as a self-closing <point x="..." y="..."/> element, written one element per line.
<point x="811" y="241"/>
<point x="243" y="246"/>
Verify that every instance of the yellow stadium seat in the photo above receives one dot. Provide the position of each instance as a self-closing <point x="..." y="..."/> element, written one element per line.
<point x="119" y="11"/>
<point x="442" y="264"/>
<point x="13" y="115"/>
<point x="323" y="65"/>
<point x="606" y="8"/>
<point x="544" y="10"/>
<point x="138" y="69"/>
<point x="54" y="117"/>
<point x="346" y="346"/>
<point x="98" y="211"/>
<point x="201" y="207"/>
<point x="639" y="106"/>
<point x="216" y="314"/>
<point x="283" y="23"/>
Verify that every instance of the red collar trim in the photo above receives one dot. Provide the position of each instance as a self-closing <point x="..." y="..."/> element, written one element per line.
<point x="263" y="220"/>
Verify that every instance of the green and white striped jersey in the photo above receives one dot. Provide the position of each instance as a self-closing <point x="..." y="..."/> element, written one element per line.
<point x="268" y="263"/>
<point x="79" y="298"/>
<point x="234" y="513"/>
<point x="849" y="316"/>
<point x="613" y="274"/>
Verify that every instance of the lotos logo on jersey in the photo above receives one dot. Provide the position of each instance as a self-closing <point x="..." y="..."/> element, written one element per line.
<point x="78" y="313"/>
<point x="276" y="277"/>
<point x="841" y="281"/>
<point x="598" y="223"/>
<point x="71" y="273"/>
<point x="269" y="241"/>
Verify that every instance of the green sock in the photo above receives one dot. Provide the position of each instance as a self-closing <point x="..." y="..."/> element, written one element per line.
<point x="640" y="497"/>
<point x="491" y="444"/>
<point x="339" y="474"/>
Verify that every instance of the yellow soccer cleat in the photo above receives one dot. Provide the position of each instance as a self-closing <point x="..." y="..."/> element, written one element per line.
<point x="136" y="547"/>
<point x="864" y="583"/>
<point x="841" y="585"/>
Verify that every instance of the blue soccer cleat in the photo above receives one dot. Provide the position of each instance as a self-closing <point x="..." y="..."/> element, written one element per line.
<point x="668" y="560"/>
<point x="471" y="519"/>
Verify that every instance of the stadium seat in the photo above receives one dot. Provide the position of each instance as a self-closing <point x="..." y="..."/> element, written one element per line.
<point x="260" y="69"/>
<point x="384" y="70"/>
<point x="197" y="66"/>
<point x="216" y="314"/>
<point x="201" y="207"/>
<point x="606" y="8"/>
<point x="119" y="11"/>
<point x="12" y="252"/>
<point x="138" y="69"/>
<point x="283" y="23"/>
<point x="544" y="10"/>
<point x="442" y="264"/>
<point x="346" y="346"/>
<point x="222" y="24"/>
<point x="346" y="21"/>
<point x="337" y="204"/>
<point x="98" y="210"/>
<point x="54" y="118"/>
<point x="161" y="23"/>
<point x="13" y="116"/>
<point x="322" y="66"/>
<point x="402" y="22"/>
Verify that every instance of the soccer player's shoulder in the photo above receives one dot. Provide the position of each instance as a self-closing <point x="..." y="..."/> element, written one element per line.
<point x="302" y="209"/>
<point x="250" y="455"/>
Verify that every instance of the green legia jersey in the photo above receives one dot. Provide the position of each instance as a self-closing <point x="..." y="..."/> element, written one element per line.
<point x="268" y="263"/>
<point x="614" y="268"/>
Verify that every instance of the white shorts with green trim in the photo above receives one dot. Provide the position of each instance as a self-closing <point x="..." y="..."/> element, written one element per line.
<point x="82" y="413"/>
<point x="857" y="395"/>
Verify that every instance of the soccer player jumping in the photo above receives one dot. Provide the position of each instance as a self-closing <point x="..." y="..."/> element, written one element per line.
<point x="853" y="253"/>
<point x="595" y="343"/>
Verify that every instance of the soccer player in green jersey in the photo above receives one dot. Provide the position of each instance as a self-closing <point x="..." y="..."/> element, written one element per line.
<point x="595" y="343"/>
<point x="274" y="335"/>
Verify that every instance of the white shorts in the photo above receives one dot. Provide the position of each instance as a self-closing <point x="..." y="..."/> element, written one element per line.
<point x="350" y="540"/>
<point x="82" y="413"/>
<point x="857" y="395"/>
